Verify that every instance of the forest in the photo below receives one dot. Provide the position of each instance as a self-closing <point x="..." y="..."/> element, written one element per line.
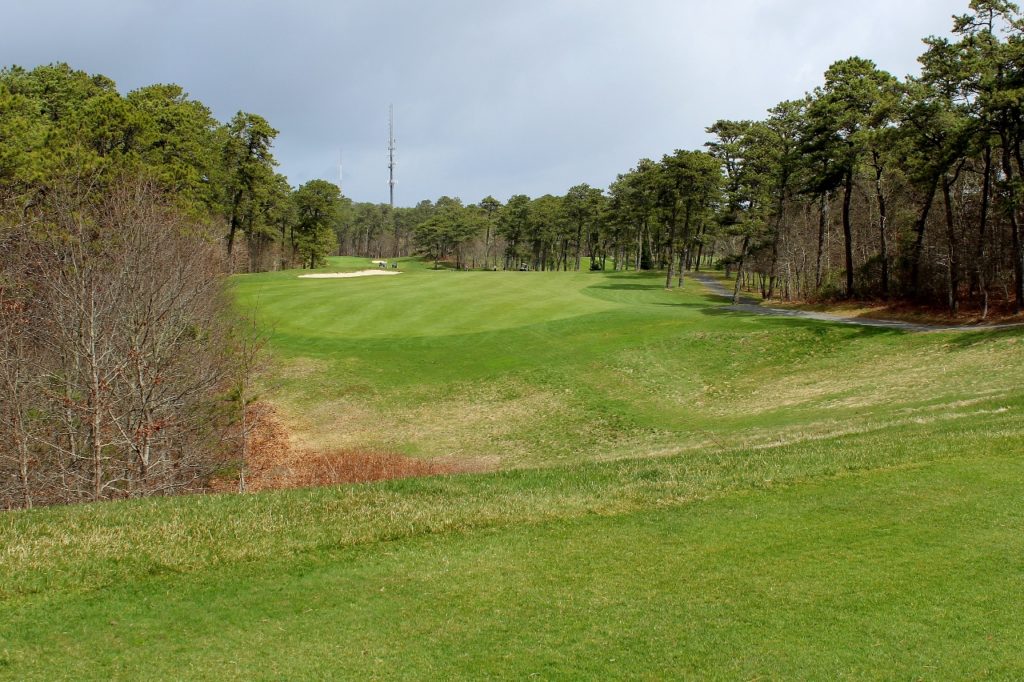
<point x="124" y="371"/>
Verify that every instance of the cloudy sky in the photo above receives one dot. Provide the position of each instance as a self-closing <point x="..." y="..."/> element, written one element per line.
<point x="491" y="96"/>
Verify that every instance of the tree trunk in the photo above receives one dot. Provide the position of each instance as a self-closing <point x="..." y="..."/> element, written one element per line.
<point x="739" y="269"/>
<point x="919" y="228"/>
<point x="775" y="248"/>
<point x="650" y="246"/>
<point x="95" y="401"/>
<point x="952" y="281"/>
<point x="579" y="246"/>
<point x="235" y="223"/>
<point x="883" y="240"/>
<point x="986" y="193"/>
<point x="823" y="220"/>
<point x="1018" y="252"/>
<point x="700" y="247"/>
<point x="671" y="248"/>
<point x="244" y="445"/>
<point x="848" y="233"/>
<point x="635" y="260"/>
<point x="21" y="443"/>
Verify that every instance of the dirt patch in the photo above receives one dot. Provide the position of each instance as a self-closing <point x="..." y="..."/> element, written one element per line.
<point x="275" y="462"/>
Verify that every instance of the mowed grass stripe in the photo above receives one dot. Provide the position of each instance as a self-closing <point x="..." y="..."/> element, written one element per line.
<point x="905" y="573"/>
<point x="418" y="304"/>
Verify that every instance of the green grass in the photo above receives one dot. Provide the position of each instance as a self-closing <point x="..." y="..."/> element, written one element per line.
<point x="533" y="369"/>
<point x="680" y="492"/>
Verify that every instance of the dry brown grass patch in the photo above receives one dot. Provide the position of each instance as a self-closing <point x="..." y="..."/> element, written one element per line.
<point x="275" y="462"/>
<point x="478" y="424"/>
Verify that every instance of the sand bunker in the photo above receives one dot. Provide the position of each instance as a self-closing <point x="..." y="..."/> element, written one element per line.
<point x="339" y="275"/>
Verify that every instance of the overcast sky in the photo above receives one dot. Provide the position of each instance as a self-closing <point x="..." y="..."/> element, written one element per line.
<point x="491" y="96"/>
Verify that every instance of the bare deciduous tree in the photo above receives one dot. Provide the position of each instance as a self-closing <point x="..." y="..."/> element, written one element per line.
<point x="114" y="348"/>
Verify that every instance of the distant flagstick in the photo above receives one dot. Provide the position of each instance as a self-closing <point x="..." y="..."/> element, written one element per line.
<point x="391" y="153"/>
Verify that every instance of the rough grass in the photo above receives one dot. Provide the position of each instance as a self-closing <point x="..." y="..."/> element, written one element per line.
<point x="889" y="553"/>
<point x="89" y="547"/>
<point x="536" y="369"/>
<point x="683" y="493"/>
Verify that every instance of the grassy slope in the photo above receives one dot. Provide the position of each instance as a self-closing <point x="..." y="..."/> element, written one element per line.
<point x="526" y="369"/>
<point x="893" y="550"/>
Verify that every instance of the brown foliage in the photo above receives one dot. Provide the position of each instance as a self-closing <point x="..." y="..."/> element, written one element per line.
<point x="113" y="352"/>
<point x="275" y="463"/>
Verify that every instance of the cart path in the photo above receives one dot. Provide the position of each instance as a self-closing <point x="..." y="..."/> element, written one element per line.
<point x="749" y="306"/>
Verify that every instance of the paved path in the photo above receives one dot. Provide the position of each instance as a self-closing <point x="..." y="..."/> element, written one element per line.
<point x="749" y="306"/>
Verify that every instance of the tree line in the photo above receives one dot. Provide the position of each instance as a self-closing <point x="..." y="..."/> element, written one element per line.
<point x="869" y="186"/>
<point x="60" y="122"/>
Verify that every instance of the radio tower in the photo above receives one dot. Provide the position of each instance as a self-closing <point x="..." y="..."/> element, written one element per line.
<point x="391" y="153"/>
<point x="341" y="173"/>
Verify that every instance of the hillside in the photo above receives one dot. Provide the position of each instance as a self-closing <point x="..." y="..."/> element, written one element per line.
<point x="660" y="488"/>
<point x="536" y="369"/>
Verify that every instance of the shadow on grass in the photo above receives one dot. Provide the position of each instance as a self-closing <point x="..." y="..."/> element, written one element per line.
<point x="654" y="283"/>
<point x="627" y="287"/>
<point x="975" y="337"/>
<point x="791" y="322"/>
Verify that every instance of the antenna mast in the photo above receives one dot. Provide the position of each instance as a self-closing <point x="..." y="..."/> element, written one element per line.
<point x="341" y="174"/>
<point x="391" y="153"/>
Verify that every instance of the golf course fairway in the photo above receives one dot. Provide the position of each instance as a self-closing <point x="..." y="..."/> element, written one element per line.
<point x="653" y="488"/>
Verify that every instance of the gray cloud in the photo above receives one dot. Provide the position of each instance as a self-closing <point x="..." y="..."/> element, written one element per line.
<point x="490" y="97"/>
